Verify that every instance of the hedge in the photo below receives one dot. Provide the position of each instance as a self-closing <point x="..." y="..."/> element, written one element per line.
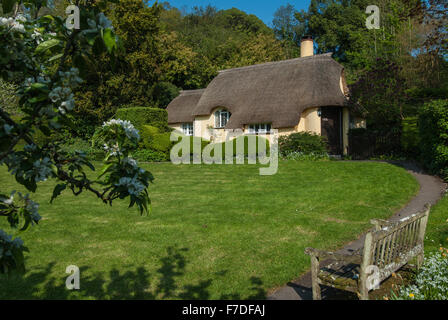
<point x="302" y="142"/>
<point x="140" y="116"/>
<point x="246" y="145"/>
<point x="433" y="129"/>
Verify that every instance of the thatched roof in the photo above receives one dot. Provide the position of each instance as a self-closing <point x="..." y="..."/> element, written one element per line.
<point x="180" y="110"/>
<point x="276" y="92"/>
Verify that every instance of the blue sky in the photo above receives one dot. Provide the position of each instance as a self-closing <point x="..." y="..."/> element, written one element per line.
<point x="264" y="9"/>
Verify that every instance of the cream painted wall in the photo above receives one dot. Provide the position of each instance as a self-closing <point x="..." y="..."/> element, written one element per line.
<point x="201" y="127"/>
<point x="312" y="120"/>
<point x="309" y="121"/>
<point x="177" y="126"/>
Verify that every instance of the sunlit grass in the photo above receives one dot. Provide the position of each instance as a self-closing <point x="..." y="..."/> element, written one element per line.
<point x="215" y="231"/>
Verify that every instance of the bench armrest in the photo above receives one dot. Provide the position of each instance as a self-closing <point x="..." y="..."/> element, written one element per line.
<point x="351" y="258"/>
<point x="380" y="224"/>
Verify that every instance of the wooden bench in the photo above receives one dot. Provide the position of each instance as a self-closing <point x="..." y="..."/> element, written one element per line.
<point x="387" y="248"/>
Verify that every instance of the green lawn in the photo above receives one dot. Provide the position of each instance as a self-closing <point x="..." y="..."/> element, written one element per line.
<point x="437" y="228"/>
<point x="216" y="232"/>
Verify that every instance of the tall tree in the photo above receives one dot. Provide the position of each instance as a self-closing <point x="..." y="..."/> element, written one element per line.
<point x="286" y="26"/>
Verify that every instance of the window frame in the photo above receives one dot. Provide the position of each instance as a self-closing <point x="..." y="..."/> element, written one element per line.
<point x="220" y="122"/>
<point x="259" y="128"/>
<point x="188" y="129"/>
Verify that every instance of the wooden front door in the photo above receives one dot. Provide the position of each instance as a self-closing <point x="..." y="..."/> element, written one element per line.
<point x="331" y="126"/>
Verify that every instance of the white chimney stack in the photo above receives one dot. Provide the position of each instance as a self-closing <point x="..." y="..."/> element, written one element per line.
<point x="307" y="46"/>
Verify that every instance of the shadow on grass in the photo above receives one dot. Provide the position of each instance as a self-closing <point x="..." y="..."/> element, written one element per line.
<point x="137" y="283"/>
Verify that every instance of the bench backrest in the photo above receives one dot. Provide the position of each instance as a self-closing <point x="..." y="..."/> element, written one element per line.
<point x="392" y="246"/>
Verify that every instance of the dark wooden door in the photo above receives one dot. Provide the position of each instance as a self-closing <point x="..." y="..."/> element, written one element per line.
<point x="331" y="124"/>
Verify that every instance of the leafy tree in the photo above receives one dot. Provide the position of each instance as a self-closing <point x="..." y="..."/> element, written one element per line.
<point x="286" y="26"/>
<point x="381" y="91"/>
<point x="214" y="40"/>
<point x="43" y="58"/>
<point x="130" y="76"/>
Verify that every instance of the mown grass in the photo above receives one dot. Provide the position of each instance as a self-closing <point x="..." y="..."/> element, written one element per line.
<point x="437" y="228"/>
<point x="216" y="232"/>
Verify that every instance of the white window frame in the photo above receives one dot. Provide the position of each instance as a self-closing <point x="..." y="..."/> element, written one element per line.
<point x="188" y="129"/>
<point x="222" y="116"/>
<point x="259" y="128"/>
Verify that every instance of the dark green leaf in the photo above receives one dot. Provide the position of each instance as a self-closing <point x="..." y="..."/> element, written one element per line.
<point x="57" y="191"/>
<point x="44" y="46"/>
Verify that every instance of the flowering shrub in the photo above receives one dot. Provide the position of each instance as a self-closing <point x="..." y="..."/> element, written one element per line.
<point x="41" y="57"/>
<point x="431" y="281"/>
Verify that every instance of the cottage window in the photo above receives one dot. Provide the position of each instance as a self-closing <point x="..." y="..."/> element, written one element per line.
<point x="187" y="129"/>
<point x="221" y="118"/>
<point x="262" y="128"/>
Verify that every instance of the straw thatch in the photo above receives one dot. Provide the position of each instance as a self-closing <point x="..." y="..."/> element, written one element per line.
<point x="180" y="110"/>
<point x="276" y="92"/>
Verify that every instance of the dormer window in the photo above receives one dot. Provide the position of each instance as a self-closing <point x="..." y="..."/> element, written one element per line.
<point x="221" y="118"/>
<point x="262" y="128"/>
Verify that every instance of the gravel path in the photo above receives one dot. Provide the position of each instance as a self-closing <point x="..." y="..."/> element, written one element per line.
<point x="431" y="191"/>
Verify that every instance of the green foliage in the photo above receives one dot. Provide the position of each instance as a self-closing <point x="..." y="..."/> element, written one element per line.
<point x="147" y="133"/>
<point x="155" y="144"/>
<point x="430" y="282"/>
<point x="437" y="228"/>
<point x="409" y="136"/>
<point x="8" y="99"/>
<point x="140" y="116"/>
<point x="74" y="145"/>
<point x="43" y="58"/>
<point x="210" y="40"/>
<point x="286" y="26"/>
<point x="261" y="146"/>
<point x="161" y="142"/>
<point x="433" y="128"/>
<point x="130" y="76"/>
<point x="300" y="156"/>
<point x="148" y="155"/>
<point x="302" y="142"/>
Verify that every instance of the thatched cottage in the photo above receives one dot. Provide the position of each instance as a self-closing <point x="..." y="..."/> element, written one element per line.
<point x="304" y="94"/>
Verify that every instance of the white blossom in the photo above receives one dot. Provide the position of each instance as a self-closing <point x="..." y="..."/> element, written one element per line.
<point x="6" y="21"/>
<point x="64" y="96"/>
<point x="129" y="129"/>
<point x="37" y="36"/>
<point x="14" y="24"/>
<point x="10" y="200"/>
<point x="113" y="150"/>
